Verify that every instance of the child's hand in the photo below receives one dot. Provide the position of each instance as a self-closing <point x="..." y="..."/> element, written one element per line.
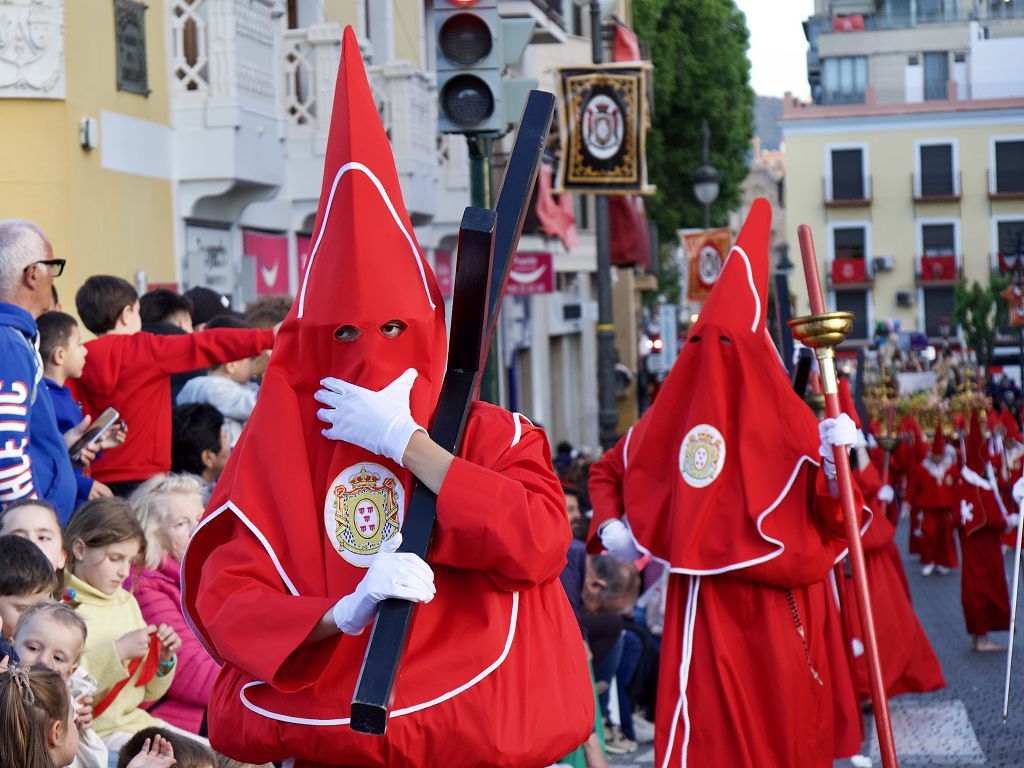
<point x="170" y="643"/>
<point x="99" y="491"/>
<point x="135" y="644"/>
<point x="83" y="714"/>
<point x="159" y="754"/>
<point x="4" y="662"/>
<point x="114" y="437"/>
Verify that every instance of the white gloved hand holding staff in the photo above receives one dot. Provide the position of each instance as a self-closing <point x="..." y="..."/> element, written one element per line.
<point x="395" y="574"/>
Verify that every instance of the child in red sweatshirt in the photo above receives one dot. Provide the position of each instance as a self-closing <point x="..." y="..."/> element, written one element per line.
<point x="129" y="370"/>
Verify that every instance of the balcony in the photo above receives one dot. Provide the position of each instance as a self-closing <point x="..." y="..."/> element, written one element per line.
<point x="849" y="274"/>
<point x="837" y="195"/>
<point x="927" y="187"/>
<point x="408" y="100"/>
<point x="224" y="103"/>
<point x="1005" y="188"/>
<point x="938" y="270"/>
<point x="883" y="16"/>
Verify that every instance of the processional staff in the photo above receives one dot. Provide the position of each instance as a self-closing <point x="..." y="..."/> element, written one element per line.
<point x="823" y="331"/>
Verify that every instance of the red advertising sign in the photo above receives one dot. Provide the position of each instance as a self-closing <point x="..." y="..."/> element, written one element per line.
<point x="444" y="271"/>
<point x="532" y="273"/>
<point x="303" y="245"/>
<point x="271" y="255"/>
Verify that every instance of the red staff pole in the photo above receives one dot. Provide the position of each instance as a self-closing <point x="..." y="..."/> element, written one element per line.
<point x="826" y="362"/>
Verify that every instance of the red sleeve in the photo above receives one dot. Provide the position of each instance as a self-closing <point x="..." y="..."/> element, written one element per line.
<point x="180" y="354"/>
<point x="240" y="598"/>
<point x="830" y="509"/>
<point x="605" y="488"/>
<point x="913" y="486"/>
<point x="196" y="669"/>
<point x="869" y="481"/>
<point x="501" y="509"/>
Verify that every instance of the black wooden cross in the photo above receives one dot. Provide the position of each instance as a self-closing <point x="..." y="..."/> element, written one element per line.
<point x="487" y="243"/>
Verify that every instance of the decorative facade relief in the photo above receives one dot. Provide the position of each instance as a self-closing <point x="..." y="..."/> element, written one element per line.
<point x="32" y="49"/>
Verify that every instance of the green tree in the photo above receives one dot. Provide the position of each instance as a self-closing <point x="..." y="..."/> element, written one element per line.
<point x="701" y="70"/>
<point x="981" y="312"/>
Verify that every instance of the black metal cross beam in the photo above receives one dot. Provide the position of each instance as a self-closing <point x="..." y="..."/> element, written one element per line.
<point x="487" y="243"/>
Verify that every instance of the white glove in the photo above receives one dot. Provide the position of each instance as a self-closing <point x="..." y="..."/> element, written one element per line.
<point x="886" y="493"/>
<point x="1012" y="520"/>
<point x="380" y="422"/>
<point x="401" y="575"/>
<point x="905" y="510"/>
<point x="616" y="538"/>
<point x="1018" y="491"/>
<point x="838" y="431"/>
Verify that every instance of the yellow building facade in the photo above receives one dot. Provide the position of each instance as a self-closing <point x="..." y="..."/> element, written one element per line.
<point x="108" y="208"/>
<point x="925" y="208"/>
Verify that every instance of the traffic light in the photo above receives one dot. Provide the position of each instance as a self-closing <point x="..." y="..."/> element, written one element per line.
<point x="473" y="47"/>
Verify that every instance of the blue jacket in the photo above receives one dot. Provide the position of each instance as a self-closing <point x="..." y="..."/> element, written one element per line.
<point x="69" y="414"/>
<point x="34" y="460"/>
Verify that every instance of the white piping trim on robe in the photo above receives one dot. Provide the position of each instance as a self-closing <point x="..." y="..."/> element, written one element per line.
<point x="356" y="166"/>
<point x="760" y="521"/>
<point x="321" y="722"/>
<point x="291" y="588"/>
<point x="682" y="706"/>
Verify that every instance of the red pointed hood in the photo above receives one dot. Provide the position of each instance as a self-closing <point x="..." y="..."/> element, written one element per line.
<point x="294" y="488"/>
<point x="975" y="447"/>
<point x="846" y="401"/>
<point x="721" y="447"/>
<point x="938" y="442"/>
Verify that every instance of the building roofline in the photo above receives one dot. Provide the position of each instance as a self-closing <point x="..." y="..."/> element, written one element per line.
<point x="795" y="110"/>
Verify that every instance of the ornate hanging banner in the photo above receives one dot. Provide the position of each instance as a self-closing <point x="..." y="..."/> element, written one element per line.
<point x="706" y="251"/>
<point x="604" y="119"/>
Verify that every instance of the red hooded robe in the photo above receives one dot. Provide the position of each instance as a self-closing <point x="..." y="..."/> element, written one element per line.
<point x="980" y="522"/>
<point x="720" y="482"/>
<point x="494" y="672"/>
<point x="909" y="665"/>
<point x="930" y="489"/>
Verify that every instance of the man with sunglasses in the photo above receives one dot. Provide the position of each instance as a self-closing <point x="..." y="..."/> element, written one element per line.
<point x="34" y="460"/>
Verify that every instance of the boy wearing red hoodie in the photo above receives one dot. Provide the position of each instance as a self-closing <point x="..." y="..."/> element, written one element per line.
<point x="130" y="370"/>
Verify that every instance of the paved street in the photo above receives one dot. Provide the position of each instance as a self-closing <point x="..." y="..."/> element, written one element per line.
<point x="961" y="725"/>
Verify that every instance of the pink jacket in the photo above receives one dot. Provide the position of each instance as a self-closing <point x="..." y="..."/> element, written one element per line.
<point x="159" y="596"/>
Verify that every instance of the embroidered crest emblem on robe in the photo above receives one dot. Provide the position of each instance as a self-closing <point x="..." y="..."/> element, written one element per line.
<point x="701" y="456"/>
<point x="364" y="508"/>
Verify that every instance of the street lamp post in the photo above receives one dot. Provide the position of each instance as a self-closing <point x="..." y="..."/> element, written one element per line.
<point x="706" y="178"/>
<point x="607" y="357"/>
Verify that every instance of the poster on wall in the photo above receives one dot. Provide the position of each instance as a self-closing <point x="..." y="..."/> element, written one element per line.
<point x="603" y="121"/>
<point x="208" y="259"/>
<point x="705" y="251"/>
<point x="270" y="254"/>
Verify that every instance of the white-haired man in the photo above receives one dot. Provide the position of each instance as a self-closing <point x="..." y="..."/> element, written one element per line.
<point x="34" y="458"/>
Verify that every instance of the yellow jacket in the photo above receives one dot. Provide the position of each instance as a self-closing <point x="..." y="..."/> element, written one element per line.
<point x="108" y="617"/>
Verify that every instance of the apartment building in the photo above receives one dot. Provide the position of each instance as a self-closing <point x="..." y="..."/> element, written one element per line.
<point x="909" y="162"/>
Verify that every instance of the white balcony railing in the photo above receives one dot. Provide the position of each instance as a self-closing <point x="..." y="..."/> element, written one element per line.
<point x="224" y="49"/>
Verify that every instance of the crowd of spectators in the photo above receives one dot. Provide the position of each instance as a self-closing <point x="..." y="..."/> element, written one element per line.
<point x="98" y="667"/>
<point x="619" y="607"/>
